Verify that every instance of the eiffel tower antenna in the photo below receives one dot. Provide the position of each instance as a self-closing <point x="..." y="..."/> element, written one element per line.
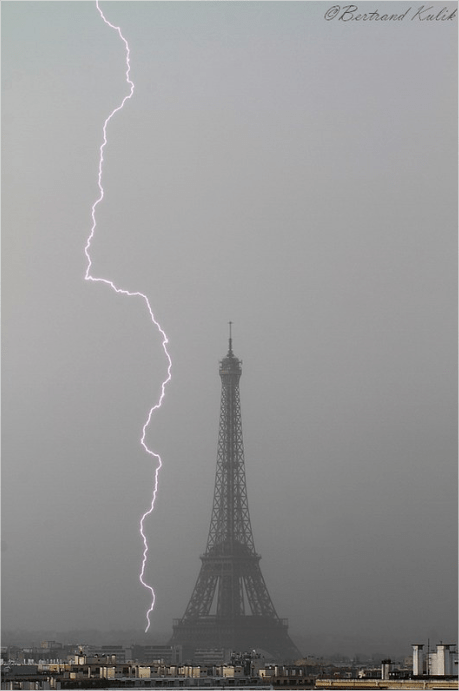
<point x="230" y="349"/>
<point x="230" y="606"/>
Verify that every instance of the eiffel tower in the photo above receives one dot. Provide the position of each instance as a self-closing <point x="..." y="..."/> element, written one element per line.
<point x="230" y="583"/>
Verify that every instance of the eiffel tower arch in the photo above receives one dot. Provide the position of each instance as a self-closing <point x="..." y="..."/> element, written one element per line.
<point x="230" y="606"/>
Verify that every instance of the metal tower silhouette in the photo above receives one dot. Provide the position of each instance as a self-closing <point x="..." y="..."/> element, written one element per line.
<point x="230" y="583"/>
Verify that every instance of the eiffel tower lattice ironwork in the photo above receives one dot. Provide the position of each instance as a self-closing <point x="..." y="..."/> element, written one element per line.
<point x="230" y="606"/>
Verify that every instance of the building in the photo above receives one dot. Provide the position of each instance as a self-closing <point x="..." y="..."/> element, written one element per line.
<point x="230" y="606"/>
<point x="150" y="654"/>
<point x="432" y="670"/>
<point x="441" y="662"/>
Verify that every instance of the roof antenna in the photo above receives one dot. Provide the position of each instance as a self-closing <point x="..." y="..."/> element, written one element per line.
<point x="230" y="351"/>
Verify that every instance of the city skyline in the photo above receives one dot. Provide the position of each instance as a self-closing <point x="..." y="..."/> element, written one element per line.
<point x="298" y="176"/>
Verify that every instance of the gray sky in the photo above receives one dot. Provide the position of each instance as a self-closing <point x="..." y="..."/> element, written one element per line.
<point x="297" y="176"/>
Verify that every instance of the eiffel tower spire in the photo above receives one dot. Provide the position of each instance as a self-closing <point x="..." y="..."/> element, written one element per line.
<point x="230" y="605"/>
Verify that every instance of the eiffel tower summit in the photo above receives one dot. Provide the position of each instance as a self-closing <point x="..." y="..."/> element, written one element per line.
<point x="230" y="606"/>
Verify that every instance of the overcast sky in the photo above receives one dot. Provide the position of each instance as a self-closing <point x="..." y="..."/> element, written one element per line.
<point x="297" y="176"/>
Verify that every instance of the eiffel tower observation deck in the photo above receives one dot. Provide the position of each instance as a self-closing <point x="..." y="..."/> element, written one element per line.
<point x="230" y="606"/>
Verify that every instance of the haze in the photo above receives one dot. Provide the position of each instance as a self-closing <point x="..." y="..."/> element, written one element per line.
<point x="294" y="175"/>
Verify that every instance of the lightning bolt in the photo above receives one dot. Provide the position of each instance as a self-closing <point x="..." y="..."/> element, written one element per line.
<point x="96" y="279"/>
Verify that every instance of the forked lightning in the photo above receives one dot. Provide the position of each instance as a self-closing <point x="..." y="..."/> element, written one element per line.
<point x="97" y="279"/>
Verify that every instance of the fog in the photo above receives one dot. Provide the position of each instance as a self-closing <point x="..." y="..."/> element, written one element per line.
<point x="297" y="176"/>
